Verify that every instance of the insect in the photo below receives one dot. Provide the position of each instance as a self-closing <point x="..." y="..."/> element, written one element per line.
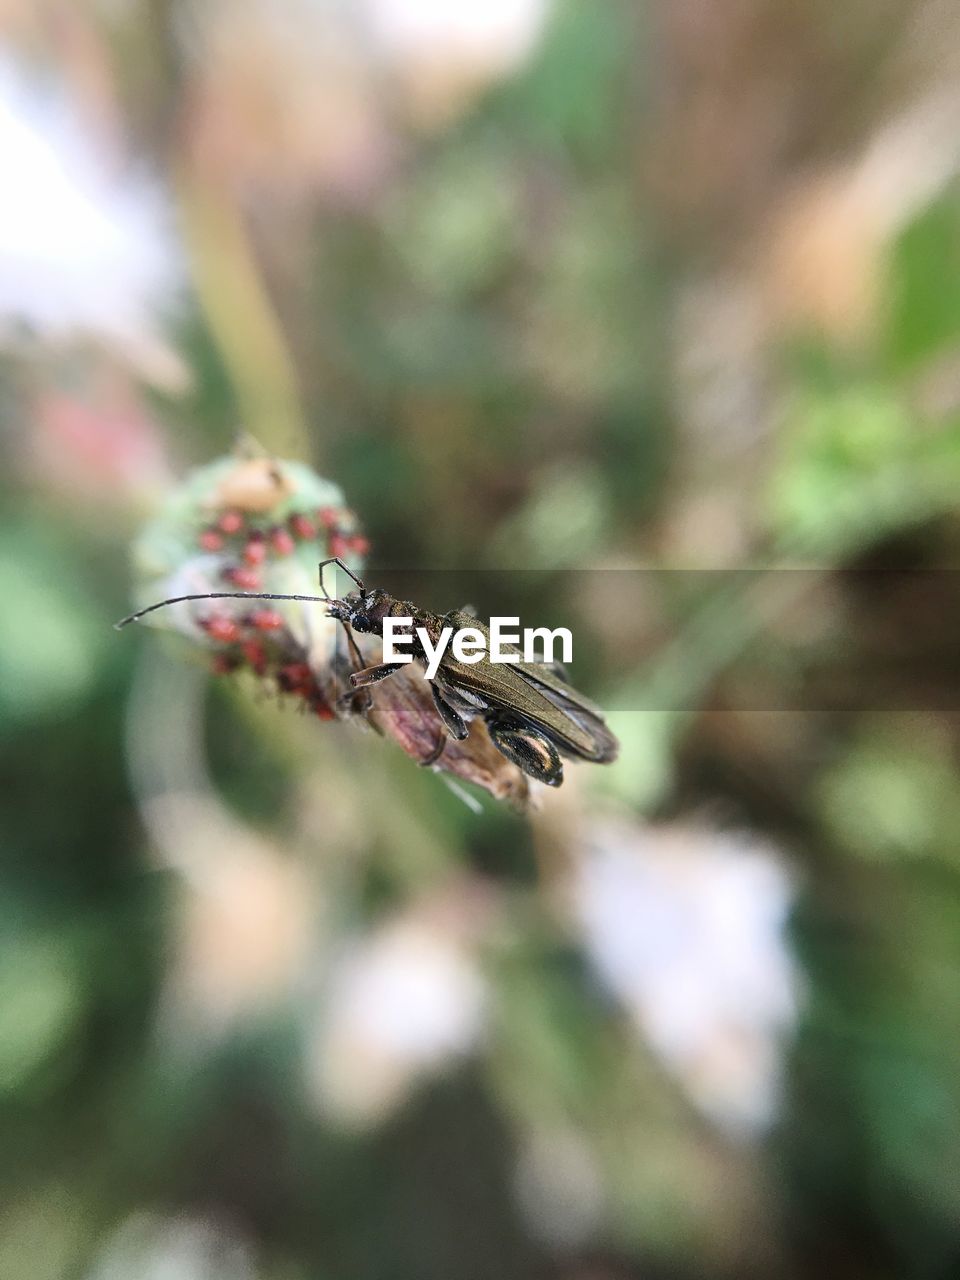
<point x="532" y="715"/>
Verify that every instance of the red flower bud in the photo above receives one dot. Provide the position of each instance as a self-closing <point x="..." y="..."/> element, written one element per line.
<point x="223" y="630"/>
<point x="211" y="540"/>
<point x="255" y="552"/>
<point x="294" y="677"/>
<point x="242" y="577"/>
<point x="230" y="522"/>
<point x="256" y="655"/>
<point x="302" y="527"/>
<point x="281" y="542"/>
<point x="266" y="620"/>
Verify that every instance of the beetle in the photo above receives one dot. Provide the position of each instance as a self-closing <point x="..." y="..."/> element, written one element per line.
<point x="533" y="716"/>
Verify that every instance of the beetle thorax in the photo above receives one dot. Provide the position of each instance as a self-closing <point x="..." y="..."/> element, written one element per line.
<point x="366" y="611"/>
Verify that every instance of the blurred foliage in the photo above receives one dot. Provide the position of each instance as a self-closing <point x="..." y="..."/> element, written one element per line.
<point x="542" y="319"/>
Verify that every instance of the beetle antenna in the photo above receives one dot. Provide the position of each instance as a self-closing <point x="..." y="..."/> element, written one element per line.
<point x="246" y="595"/>
<point x="218" y="595"/>
<point x="340" y="565"/>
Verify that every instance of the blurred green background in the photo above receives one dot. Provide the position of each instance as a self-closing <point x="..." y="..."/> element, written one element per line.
<point x="543" y="286"/>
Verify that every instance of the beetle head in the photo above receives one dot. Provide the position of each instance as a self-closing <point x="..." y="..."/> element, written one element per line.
<point x="363" y="611"/>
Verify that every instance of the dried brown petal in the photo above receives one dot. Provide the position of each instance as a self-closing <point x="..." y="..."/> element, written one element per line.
<point x="255" y="485"/>
<point x="403" y="710"/>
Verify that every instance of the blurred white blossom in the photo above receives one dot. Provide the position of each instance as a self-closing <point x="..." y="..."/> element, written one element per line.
<point x="400" y="1004"/>
<point x="686" y="926"/>
<point x="496" y="33"/>
<point x="85" y="250"/>
<point x="286" y="101"/>
<point x="445" y="53"/>
<point x="824" y="262"/>
<point x="175" y="1248"/>
<point x="249" y="913"/>
<point x="560" y="1188"/>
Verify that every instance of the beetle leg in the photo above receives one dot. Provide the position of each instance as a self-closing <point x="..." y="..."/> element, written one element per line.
<point x="436" y="753"/>
<point x="358" y="701"/>
<point x="462" y="700"/>
<point x="456" y="725"/>
<point x="373" y="675"/>
<point x="527" y="748"/>
<point x="358" y="705"/>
